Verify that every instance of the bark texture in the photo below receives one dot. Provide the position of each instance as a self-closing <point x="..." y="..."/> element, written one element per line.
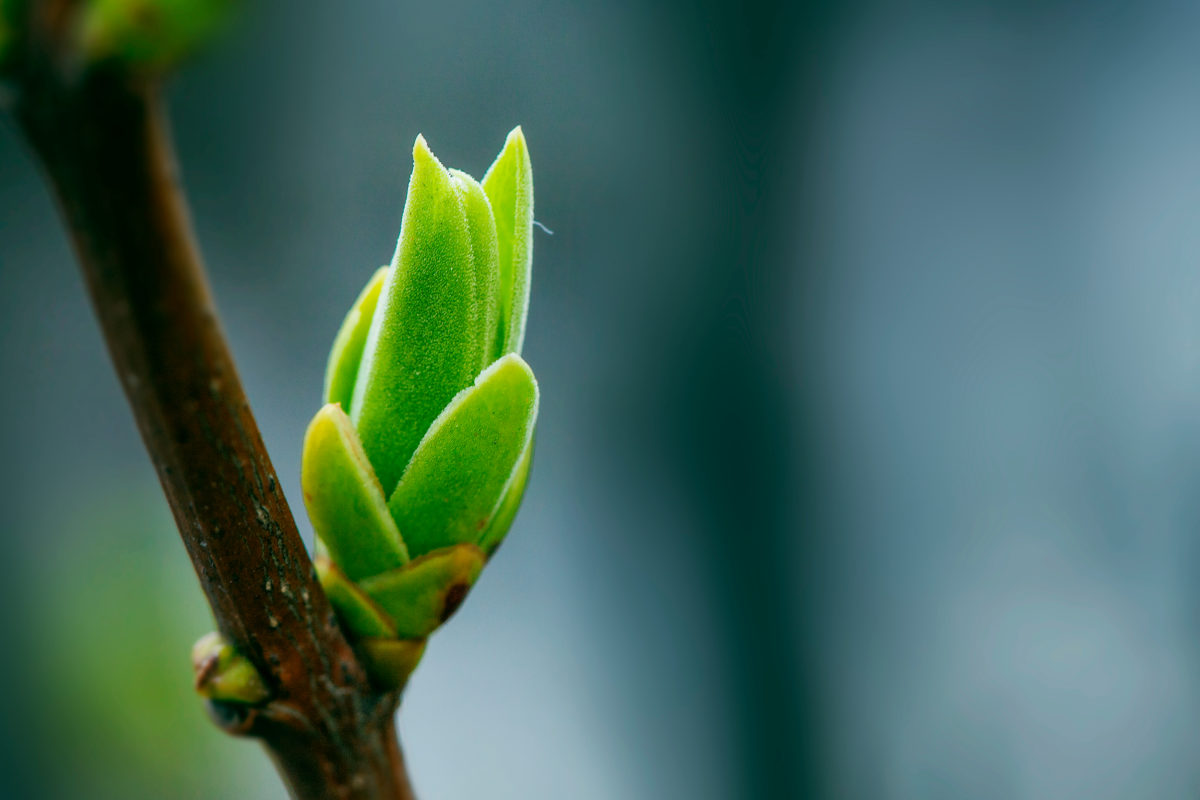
<point x="102" y="139"/>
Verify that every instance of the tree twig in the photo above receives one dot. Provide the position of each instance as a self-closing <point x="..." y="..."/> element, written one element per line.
<point x="103" y="141"/>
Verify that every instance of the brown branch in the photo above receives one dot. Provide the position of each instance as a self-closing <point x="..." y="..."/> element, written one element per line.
<point x="103" y="141"/>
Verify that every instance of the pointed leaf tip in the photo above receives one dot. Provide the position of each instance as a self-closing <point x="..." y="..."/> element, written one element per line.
<point x="509" y="187"/>
<point x="423" y="156"/>
<point x="422" y="348"/>
<point x="515" y="141"/>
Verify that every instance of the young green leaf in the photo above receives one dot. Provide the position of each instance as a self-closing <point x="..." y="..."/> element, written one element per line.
<point x="458" y="474"/>
<point x="485" y="253"/>
<point x="348" y="346"/>
<point x="423" y="595"/>
<point x="509" y="186"/>
<point x="357" y="611"/>
<point x="344" y="499"/>
<point x="502" y="520"/>
<point x="421" y="349"/>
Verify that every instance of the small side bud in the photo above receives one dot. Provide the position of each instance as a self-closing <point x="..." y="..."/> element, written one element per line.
<point x="150" y="35"/>
<point x="222" y="674"/>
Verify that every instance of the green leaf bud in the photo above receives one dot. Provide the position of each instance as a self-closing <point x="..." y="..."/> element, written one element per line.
<point x="431" y="457"/>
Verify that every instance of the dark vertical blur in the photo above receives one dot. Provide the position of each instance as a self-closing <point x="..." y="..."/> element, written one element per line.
<point x="725" y="405"/>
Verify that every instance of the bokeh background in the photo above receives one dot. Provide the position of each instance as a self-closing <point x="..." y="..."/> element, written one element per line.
<point x="870" y="358"/>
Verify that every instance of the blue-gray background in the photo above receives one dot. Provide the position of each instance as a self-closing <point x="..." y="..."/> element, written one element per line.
<point x="870" y="436"/>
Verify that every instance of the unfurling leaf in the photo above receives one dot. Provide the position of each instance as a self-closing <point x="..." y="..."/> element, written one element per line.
<point x="509" y="187"/>
<point x="484" y="253"/>
<point x="421" y="349"/>
<point x="347" y="351"/>
<point x="459" y="472"/>
<point x="344" y="500"/>
<point x="502" y="520"/>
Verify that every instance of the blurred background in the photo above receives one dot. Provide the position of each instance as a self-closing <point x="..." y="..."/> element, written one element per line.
<point x="870" y="358"/>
